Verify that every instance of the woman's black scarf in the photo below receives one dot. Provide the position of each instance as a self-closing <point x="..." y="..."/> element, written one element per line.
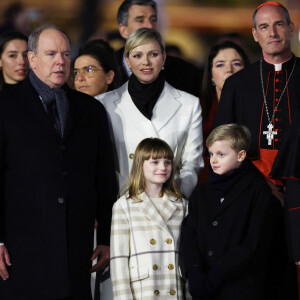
<point x="222" y="183"/>
<point x="145" y="96"/>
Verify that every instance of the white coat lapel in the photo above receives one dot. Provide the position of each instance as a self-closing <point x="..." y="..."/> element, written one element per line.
<point x="129" y="113"/>
<point x="165" y="107"/>
<point x="169" y="208"/>
<point x="150" y="211"/>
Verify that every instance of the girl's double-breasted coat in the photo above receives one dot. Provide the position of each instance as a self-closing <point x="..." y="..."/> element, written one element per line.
<point x="144" y="248"/>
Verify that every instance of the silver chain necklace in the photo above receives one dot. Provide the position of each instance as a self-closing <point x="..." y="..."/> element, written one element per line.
<point x="270" y="133"/>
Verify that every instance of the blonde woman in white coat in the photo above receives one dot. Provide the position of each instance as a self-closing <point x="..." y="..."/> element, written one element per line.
<point x="145" y="228"/>
<point x="147" y="106"/>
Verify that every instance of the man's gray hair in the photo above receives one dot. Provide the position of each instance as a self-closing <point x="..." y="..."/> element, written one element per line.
<point x="34" y="37"/>
<point x="123" y="12"/>
<point x="286" y="14"/>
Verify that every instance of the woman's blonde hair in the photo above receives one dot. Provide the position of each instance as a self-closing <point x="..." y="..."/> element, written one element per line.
<point x="238" y="136"/>
<point x="150" y="148"/>
<point x="143" y="36"/>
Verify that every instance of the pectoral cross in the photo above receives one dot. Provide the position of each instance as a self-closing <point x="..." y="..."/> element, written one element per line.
<point x="270" y="134"/>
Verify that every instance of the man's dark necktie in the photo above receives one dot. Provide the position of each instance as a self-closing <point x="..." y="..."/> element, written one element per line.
<point x="57" y="110"/>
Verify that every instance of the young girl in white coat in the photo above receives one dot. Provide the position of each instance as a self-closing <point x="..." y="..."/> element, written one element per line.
<point x="146" y="225"/>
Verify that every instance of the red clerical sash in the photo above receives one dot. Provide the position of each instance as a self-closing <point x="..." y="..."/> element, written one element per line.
<point x="265" y="162"/>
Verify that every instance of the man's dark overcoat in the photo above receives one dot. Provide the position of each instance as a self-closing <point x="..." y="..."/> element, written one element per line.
<point x="51" y="192"/>
<point x="231" y="240"/>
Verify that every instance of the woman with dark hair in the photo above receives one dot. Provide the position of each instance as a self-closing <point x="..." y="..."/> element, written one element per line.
<point x="14" y="64"/>
<point x="224" y="59"/>
<point x="95" y="69"/>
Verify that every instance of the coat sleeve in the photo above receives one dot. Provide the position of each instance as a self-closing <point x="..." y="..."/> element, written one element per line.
<point x="191" y="158"/>
<point x="105" y="180"/>
<point x="292" y="218"/>
<point x="119" y="253"/>
<point x="2" y="159"/>
<point x="189" y="251"/>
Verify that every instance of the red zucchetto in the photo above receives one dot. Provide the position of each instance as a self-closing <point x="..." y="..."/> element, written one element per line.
<point x="270" y="3"/>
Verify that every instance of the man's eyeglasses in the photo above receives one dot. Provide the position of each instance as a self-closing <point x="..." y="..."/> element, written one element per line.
<point x="87" y="71"/>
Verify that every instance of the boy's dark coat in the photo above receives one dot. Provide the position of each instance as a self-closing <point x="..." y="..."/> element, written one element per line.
<point x="231" y="240"/>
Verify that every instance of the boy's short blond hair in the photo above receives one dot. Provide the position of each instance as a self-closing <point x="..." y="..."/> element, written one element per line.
<point x="238" y="136"/>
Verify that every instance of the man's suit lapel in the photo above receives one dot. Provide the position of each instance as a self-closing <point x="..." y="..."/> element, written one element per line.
<point x="77" y="108"/>
<point x="30" y="101"/>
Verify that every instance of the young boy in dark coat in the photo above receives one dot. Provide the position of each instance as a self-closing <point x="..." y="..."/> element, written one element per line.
<point x="227" y="235"/>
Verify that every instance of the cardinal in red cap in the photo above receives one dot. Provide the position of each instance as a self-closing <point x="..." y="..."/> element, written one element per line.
<point x="269" y="3"/>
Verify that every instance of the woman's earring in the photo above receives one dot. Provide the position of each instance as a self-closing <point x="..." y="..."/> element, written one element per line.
<point x="213" y="83"/>
<point x="163" y="68"/>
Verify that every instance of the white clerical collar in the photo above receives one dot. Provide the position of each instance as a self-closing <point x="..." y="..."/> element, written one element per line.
<point x="128" y="71"/>
<point x="278" y="67"/>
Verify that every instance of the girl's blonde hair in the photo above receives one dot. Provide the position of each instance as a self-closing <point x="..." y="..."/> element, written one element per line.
<point x="150" y="148"/>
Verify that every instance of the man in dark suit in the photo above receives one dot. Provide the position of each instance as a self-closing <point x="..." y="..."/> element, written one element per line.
<point x="134" y="14"/>
<point x="56" y="179"/>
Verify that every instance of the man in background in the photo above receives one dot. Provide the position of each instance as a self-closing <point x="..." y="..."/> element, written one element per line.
<point x="134" y="14"/>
